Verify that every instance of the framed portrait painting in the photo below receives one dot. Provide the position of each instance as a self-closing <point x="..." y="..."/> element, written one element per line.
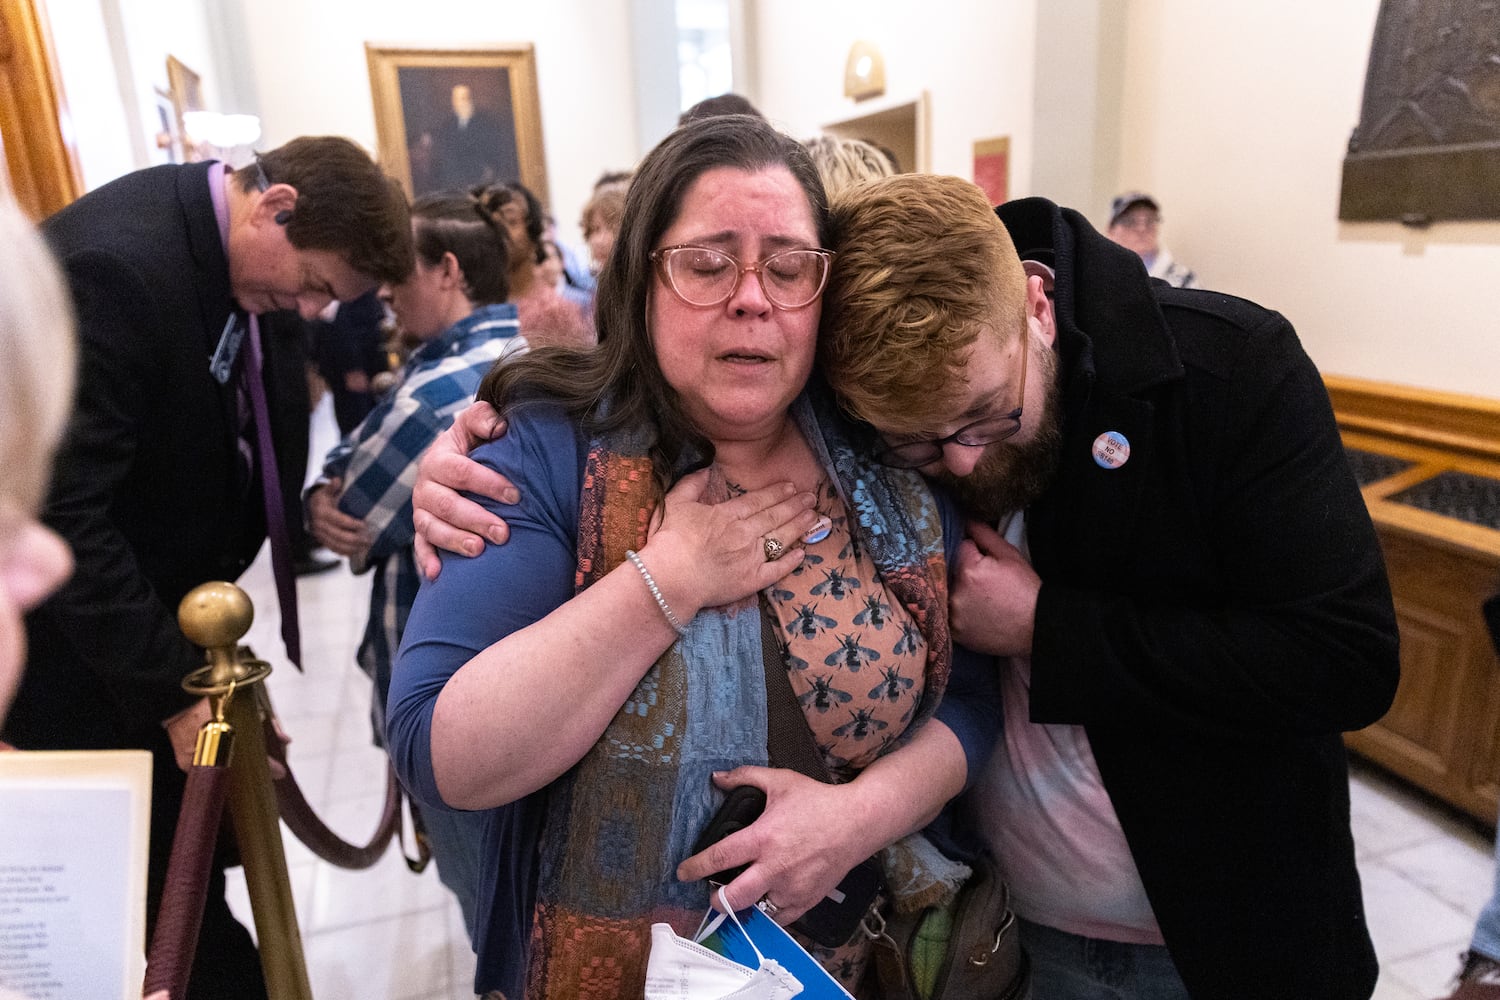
<point x="449" y="119"/>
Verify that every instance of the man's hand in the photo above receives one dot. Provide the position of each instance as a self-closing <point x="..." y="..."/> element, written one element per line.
<point x="334" y="530"/>
<point x="182" y="730"/>
<point x="992" y="605"/>
<point x="442" y="517"/>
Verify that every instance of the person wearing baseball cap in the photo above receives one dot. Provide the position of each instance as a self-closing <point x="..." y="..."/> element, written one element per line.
<point x="1135" y="223"/>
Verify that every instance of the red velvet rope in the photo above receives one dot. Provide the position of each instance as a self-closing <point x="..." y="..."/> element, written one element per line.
<point x="312" y="831"/>
<point x="169" y="961"/>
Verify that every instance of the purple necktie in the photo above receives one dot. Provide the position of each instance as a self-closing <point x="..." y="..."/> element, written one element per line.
<point x="270" y="488"/>
<point x="265" y="452"/>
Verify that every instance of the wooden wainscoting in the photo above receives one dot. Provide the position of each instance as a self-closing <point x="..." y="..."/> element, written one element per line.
<point x="1431" y="477"/>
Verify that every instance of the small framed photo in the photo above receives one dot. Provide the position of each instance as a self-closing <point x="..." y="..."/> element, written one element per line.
<point x="992" y="168"/>
<point x="166" y="136"/>
<point x="450" y="119"/>
<point x="186" y="90"/>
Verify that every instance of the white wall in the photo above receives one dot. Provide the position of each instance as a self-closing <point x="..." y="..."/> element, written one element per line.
<point x="653" y="40"/>
<point x="308" y="73"/>
<point x="1080" y="60"/>
<point x="1237" y="117"/>
<point x="975" y="58"/>
<point x="300" y="65"/>
<point x="112" y="55"/>
<point x="103" y="135"/>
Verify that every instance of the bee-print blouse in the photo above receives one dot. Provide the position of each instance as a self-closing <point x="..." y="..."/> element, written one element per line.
<point x="855" y="658"/>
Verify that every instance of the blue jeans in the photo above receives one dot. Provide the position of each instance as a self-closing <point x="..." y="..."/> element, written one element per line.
<point x="1068" y="967"/>
<point x="1487" y="930"/>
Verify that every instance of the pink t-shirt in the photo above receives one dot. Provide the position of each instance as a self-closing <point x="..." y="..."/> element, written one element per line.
<point x="1050" y="825"/>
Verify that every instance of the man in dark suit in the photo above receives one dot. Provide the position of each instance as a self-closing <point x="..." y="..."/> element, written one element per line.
<point x="158" y="482"/>
<point x="473" y="146"/>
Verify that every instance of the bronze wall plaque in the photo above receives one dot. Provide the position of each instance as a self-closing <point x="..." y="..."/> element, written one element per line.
<point x="1427" y="146"/>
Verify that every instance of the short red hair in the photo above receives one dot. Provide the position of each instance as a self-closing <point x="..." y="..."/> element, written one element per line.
<point x="924" y="267"/>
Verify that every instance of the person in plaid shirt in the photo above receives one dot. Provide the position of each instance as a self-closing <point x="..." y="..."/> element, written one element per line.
<point x="452" y="309"/>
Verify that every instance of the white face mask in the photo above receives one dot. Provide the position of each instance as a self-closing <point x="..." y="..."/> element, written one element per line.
<point x="679" y="969"/>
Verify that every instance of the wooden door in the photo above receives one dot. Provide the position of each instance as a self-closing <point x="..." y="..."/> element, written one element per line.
<point x="41" y="167"/>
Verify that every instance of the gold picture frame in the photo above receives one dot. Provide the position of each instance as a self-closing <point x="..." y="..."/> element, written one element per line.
<point x="426" y="140"/>
<point x="186" y="90"/>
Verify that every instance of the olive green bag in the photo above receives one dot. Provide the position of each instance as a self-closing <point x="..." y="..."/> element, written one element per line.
<point x="968" y="950"/>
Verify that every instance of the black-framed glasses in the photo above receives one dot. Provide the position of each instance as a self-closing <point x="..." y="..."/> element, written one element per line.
<point x="704" y="277"/>
<point x="985" y="430"/>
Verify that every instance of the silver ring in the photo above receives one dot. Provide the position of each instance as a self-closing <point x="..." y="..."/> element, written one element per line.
<point x="767" y="907"/>
<point x="774" y="549"/>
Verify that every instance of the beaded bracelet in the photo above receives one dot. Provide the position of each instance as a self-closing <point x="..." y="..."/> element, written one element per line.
<point x="661" y="602"/>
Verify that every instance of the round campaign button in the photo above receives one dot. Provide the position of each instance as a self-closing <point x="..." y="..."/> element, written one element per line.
<point x="819" y="531"/>
<point x="1111" y="450"/>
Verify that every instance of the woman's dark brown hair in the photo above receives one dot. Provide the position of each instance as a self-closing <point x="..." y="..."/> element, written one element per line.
<point x="619" y="383"/>
<point x="494" y="197"/>
<point x="456" y="223"/>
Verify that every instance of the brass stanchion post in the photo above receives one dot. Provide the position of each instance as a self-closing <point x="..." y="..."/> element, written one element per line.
<point x="216" y="616"/>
